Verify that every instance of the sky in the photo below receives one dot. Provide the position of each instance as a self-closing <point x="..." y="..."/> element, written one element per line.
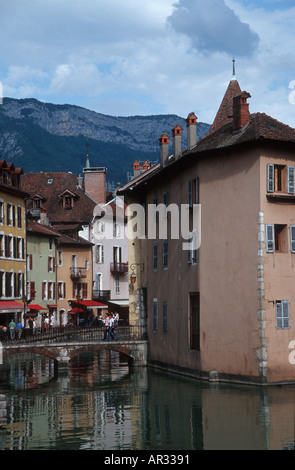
<point x="126" y="58"/>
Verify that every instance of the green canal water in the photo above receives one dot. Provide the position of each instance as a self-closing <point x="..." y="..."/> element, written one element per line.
<point x="99" y="404"/>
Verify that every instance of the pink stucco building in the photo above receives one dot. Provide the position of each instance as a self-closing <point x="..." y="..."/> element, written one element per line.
<point x="224" y="309"/>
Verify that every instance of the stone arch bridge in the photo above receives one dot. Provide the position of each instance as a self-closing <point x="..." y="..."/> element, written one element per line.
<point x="62" y="346"/>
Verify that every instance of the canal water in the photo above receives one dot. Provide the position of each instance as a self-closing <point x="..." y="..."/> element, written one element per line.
<point x="99" y="404"/>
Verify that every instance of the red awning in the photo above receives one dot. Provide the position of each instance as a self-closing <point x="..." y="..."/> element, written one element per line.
<point x="36" y="307"/>
<point x="89" y="303"/>
<point x="10" y="305"/>
<point x="74" y="311"/>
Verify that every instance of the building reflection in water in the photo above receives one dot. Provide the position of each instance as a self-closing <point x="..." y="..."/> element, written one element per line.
<point x="99" y="404"/>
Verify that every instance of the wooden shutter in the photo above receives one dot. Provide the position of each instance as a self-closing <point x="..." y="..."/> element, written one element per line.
<point x="270" y="238"/>
<point x="291" y="179"/>
<point x="270" y="178"/>
<point x="43" y="290"/>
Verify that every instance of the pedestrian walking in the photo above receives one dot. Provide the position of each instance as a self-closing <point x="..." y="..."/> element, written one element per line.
<point x="19" y="329"/>
<point x="113" y="327"/>
<point x="107" y="328"/>
<point x="11" y="327"/>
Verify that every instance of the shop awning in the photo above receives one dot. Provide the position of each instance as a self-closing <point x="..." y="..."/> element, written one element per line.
<point x="90" y="303"/>
<point x="120" y="303"/>
<point x="36" y="307"/>
<point x="8" y="306"/>
<point x="74" y="311"/>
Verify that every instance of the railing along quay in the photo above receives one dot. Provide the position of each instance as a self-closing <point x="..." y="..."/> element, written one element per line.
<point x="72" y="334"/>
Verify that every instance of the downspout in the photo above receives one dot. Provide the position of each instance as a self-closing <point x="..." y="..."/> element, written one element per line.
<point x="261" y="314"/>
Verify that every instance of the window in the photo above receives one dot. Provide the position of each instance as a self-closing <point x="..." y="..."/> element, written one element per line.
<point x="116" y="230"/>
<point x="61" y="290"/>
<point x="193" y="192"/>
<point x="99" y="255"/>
<point x="60" y="257"/>
<point x="31" y="290"/>
<point x="2" y="212"/>
<point x="44" y="290"/>
<point x="276" y="238"/>
<point x="282" y="314"/>
<point x="155" y="314"/>
<point x="292" y="238"/>
<point x="194" y="321"/>
<point x="117" y="284"/>
<point x="19" y="217"/>
<point x="51" y="264"/>
<point x="29" y="262"/>
<point x="84" y="290"/>
<point x="9" y="214"/>
<point x="280" y="178"/>
<point x="165" y="316"/>
<point x="165" y="253"/>
<point x="155" y="256"/>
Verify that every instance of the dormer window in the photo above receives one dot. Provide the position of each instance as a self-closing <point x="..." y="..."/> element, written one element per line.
<point x="68" y="199"/>
<point x="68" y="202"/>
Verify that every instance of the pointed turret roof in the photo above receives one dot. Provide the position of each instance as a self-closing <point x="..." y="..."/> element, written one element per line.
<point x="225" y="112"/>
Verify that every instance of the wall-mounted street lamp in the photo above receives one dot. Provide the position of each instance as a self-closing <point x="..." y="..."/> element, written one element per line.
<point x="133" y="275"/>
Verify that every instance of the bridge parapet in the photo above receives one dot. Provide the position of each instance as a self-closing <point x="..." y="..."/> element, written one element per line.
<point x="63" y="348"/>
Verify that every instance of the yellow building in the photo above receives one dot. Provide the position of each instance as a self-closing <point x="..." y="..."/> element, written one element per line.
<point x="12" y="244"/>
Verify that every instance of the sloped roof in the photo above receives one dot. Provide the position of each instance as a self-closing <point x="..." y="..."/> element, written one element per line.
<point x="225" y="112"/>
<point x="50" y="186"/>
<point x="261" y="128"/>
<point x="41" y="229"/>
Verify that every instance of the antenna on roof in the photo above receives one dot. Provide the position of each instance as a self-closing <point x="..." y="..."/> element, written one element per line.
<point x="234" y="68"/>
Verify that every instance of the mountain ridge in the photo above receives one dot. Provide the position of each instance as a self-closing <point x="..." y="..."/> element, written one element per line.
<point x="40" y="136"/>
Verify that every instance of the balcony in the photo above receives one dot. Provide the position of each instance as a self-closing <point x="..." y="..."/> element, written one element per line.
<point x="78" y="273"/>
<point x="101" y="295"/>
<point x="119" y="268"/>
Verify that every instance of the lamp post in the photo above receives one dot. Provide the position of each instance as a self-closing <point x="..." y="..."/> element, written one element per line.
<point x="78" y="298"/>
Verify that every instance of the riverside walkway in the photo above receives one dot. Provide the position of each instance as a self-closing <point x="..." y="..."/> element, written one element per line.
<point x="62" y="344"/>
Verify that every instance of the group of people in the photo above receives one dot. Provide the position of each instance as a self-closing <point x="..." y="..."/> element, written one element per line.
<point x="111" y="321"/>
<point x="16" y="329"/>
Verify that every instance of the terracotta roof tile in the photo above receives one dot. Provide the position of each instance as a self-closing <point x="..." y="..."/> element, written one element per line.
<point x="50" y="186"/>
<point x="225" y="111"/>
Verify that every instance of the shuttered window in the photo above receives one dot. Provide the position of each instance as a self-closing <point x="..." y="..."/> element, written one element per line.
<point x="282" y="314"/>
<point x="270" y="238"/>
<point x="270" y="178"/>
<point x="291" y="179"/>
<point x="292" y="238"/>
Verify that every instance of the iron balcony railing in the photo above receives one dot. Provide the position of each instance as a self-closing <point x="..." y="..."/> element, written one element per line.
<point x="78" y="273"/>
<point x="98" y="294"/>
<point x="119" y="268"/>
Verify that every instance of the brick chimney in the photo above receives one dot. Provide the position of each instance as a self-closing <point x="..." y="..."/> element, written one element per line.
<point x="241" y="114"/>
<point x="136" y="168"/>
<point x="164" y="149"/>
<point x="191" y="123"/>
<point x="95" y="183"/>
<point x="146" y="165"/>
<point x="177" y="136"/>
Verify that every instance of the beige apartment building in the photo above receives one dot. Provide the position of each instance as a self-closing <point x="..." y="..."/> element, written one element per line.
<point x="224" y="309"/>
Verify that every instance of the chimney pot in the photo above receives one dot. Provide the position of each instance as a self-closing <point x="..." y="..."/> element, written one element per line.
<point x="191" y="123"/>
<point x="164" y="149"/>
<point x="241" y="114"/>
<point x="177" y="136"/>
